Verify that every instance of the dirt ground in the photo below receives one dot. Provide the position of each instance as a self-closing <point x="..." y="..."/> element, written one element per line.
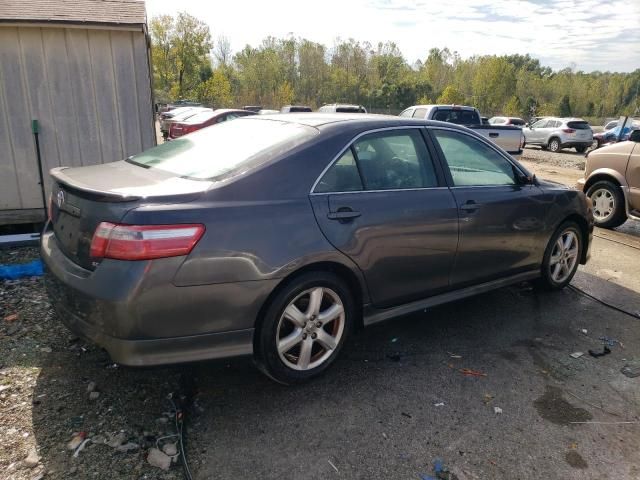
<point x="393" y="404"/>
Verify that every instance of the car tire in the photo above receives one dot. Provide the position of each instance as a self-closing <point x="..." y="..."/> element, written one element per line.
<point x="287" y="345"/>
<point x="581" y="149"/>
<point x="561" y="257"/>
<point x="554" y="144"/>
<point x="608" y="204"/>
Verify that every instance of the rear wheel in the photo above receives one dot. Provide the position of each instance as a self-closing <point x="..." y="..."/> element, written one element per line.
<point x="562" y="256"/>
<point x="554" y="145"/>
<point x="304" y="327"/>
<point x="581" y="149"/>
<point x="608" y="204"/>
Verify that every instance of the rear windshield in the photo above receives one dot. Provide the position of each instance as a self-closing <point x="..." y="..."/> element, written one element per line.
<point x="517" y="121"/>
<point x="225" y="149"/>
<point x="460" y="117"/>
<point x="579" y="125"/>
<point x="300" y="109"/>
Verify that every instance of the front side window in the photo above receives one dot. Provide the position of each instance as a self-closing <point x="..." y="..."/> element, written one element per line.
<point x="472" y="163"/>
<point x="406" y="113"/>
<point x="389" y="160"/>
<point x="540" y="123"/>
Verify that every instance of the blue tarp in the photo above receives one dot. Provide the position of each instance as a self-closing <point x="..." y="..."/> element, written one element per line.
<point x="13" y="272"/>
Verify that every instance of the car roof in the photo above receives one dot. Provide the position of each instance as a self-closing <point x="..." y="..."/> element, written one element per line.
<point x="364" y="120"/>
<point x="442" y="105"/>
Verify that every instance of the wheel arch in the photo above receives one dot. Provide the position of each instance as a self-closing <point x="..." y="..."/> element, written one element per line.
<point x="605" y="174"/>
<point x="354" y="283"/>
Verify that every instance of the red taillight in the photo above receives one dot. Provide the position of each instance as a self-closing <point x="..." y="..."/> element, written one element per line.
<point x="568" y="130"/>
<point x="144" y="242"/>
<point x="190" y="128"/>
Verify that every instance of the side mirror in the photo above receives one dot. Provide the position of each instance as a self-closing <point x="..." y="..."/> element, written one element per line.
<point x="635" y="136"/>
<point x="526" y="180"/>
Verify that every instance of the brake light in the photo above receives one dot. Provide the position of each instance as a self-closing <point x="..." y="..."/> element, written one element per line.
<point x="190" y="128"/>
<point x="568" y="130"/>
<point x="144" y="242"/>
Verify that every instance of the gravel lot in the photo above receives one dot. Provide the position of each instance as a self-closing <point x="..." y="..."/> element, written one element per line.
<point x="563" y="159"/>
<point x="395" y="402"/>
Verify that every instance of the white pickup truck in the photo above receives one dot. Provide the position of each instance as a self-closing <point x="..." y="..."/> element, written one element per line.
<point x="509" y="138"/>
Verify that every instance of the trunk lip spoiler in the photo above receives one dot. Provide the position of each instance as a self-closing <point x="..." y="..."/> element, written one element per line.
<point x="58" y="175"/>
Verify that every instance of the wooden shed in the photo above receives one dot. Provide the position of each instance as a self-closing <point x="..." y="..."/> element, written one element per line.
<point x="81" y="68"/>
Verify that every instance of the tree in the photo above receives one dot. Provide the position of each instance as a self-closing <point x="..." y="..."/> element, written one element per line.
<point x="513" y="107"/>
<point x="451" y="95"/>
<point x="564" y="107"/>
<point x="222" y="51"/>
<point x="216" y="91"/>
<point x="179" y="49"/>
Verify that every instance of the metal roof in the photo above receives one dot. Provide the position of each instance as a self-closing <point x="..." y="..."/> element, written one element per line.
<point x="117" y="12"/>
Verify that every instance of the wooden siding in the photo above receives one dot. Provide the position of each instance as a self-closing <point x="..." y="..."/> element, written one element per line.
<point x="90" y="91"/>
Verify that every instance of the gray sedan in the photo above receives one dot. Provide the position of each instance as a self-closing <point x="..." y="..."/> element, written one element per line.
<point x="277" y="235"/>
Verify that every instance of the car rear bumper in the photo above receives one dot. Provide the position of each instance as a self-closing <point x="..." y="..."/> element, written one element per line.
<point x="140" y="317"/>
<point x="577" y="143"/>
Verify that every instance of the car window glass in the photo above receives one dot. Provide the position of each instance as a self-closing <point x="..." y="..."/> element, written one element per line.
<point x="471" y="162"/>
<point x="457" y="116"/>
<point x="539" y="123"/>
<point x="406" y="113"/>
<point x="395" y="160"/>
<point x="342" y="176"/>
<point x="420" y="113"/>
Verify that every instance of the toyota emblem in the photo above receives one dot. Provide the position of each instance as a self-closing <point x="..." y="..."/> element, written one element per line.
<point x="60" y="198"/>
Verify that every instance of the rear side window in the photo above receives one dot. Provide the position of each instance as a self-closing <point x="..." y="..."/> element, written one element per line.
<point x="472" y="163"/>
<point x="387" y="160"/>
<point x="420" y="113"/>
<point x="460" y="117"/>
<point x="223" y="150"/>
<point x="516" y="121"/>
<point x="343" y="176"/>
<point x="579" y="125"/>
<point x="406" y="113"/>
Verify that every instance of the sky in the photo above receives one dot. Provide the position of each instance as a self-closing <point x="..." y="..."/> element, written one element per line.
<point x="584" y="35"/>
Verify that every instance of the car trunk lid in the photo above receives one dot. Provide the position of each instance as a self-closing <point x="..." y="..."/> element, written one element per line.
<point x="83" y="197"/>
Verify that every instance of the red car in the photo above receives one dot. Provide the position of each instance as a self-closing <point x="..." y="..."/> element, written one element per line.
<point x="205" y="119"/>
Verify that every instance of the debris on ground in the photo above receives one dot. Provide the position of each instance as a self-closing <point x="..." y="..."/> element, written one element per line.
<point x="584" y="331"/>
<point x="91" y="387"/>
<point x="439" y="404"/>
<point x="32" y="460"/>
<point x="394" y="339"/>
<point x="81" y="447"/>
<point x="94" y="395"/>
<point x="157" y="458"/>
<point x="170" y="449"/>
<point x="611" y="342"/>
<point x="441" y="472"/>
<point x="334" y="467"/>
<point x="487" y="399"/>
<point x="76" y="440"/>
<point x="11" y="318"/>
<point x="576" y="354"/>
<point x="453" y="355"/>
<point x="631" y="369"/>
<point x="497" y="410"/>
<point x="404" y="414"/>
<point x="472" y="373"/>
<point x="605" y="351"/>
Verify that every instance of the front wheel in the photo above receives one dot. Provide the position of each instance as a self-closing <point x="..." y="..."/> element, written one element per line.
<point x="608" y="204"/>
<point x="304" y="327"/>
<point x="562" y="256"/>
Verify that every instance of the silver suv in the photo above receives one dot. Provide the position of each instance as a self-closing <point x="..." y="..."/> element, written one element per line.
<point x="558" y="133"/>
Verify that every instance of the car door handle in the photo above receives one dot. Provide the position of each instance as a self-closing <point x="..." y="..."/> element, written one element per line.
<point x="343" y="214"/>
<point x="494" y="134"/>
<point x="470" y="206"/>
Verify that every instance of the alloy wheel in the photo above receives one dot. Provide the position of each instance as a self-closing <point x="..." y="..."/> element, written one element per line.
<point x="310" y="328"/>
<point x="564" y="256"/>
<point x="554" y="145"/>
<point x="604" y="204"/>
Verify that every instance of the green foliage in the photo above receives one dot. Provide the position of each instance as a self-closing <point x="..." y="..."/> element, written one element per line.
<point x="280" y="71"/>
<point x="451" y="95"/>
